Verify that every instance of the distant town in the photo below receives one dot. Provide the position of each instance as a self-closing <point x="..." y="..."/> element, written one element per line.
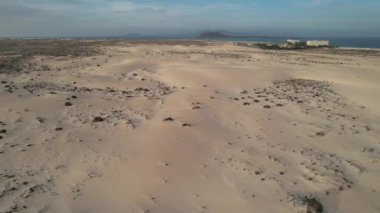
<point x="289" y="44"/>
<point x="310" y="43"/>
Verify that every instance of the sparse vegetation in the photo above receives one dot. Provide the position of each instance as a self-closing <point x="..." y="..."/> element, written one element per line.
<point x="15" y="54"/>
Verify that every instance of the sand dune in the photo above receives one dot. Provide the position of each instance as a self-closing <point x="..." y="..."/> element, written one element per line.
<point x="190" y="127"/>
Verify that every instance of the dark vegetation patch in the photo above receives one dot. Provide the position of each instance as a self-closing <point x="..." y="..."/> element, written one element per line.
<point x="15" y="54"/>
<point x="169" y="42"/>
<point x="157" y="89"/>
<point x="314" y="98"/>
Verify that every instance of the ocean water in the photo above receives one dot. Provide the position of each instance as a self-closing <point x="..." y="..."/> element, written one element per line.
<point x="340" y="42"/>
<point x="356" y="42"/>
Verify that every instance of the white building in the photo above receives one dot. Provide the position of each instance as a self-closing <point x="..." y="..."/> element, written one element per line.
<point x="291" y="41"/>
<point x="317" y="43"/>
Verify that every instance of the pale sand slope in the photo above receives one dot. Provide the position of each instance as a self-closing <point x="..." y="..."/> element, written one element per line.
<point x="257" y="141"/>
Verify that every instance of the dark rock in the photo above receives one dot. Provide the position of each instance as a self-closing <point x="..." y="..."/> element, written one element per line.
<point x="266" y="107"/>
<point x="98" y="119"/>
<point x="321" y="134"/>
<point x="74" y="97"/>
<point x="314" y="206"/>
<point x="169" y="119"/>
<point x="368" y="150"/>
<point x="186" y="125"/>
<point x="58" y="129"/>
<point x="142" y="89"/>
<point x="41" y="120"/>
<point x="3" y="131"/>
<point x="68" y="104"/>
<point x="246" y="104"/>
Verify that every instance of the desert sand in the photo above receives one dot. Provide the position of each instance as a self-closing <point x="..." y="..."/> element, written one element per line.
<point x="187" y="126"/>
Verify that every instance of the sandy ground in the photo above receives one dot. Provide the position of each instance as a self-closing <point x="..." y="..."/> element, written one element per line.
<point x="192" y="127"/>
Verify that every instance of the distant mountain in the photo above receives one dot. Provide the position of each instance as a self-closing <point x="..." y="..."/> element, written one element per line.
<point x="213" y="35"/>
<point x="225" y="34"/>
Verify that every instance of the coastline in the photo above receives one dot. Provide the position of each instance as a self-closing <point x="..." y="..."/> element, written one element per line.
<point x="360" y="43"/>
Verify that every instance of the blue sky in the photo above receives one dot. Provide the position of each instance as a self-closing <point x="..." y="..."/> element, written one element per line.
<point x="338" y="18"/>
